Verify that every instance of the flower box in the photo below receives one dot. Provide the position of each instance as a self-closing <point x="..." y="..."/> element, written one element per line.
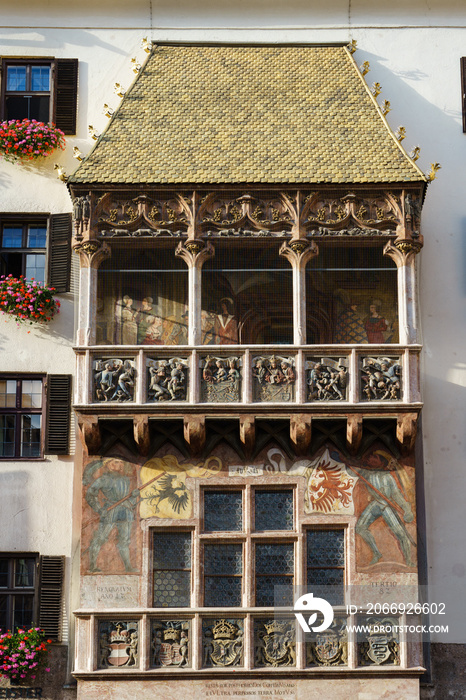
<point x="28" y="139"/>
<point x="27" y="301"/>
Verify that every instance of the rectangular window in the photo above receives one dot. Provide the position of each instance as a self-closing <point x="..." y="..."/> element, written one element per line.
<point x="172" y="569"/>
<point x="223" y="568"/>
<point x="37" y="247"/>
<point x="18" y="599"/>
<point x="274" y="574"/>
<point x="22" y="250"/>
<point x="326" y="564"/>
<point x="24" y="434"/>
<point x="43" y="89"/>
<point x="21" y="403"/>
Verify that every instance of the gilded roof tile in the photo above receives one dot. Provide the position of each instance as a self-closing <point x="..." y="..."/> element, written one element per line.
<point x="230" y="114"/>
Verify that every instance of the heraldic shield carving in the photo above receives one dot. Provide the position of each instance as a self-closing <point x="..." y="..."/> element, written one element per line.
<point x="223" y="642"/>
<point x="330" y="647"/>
<point x="118" y="644"/>
<point x="275" y="643"/>
<point x="170" y="643"/>
<point x="381" y="645"/>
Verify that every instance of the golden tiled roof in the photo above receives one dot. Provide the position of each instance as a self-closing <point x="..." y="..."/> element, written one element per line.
<point x="231" y="114"/>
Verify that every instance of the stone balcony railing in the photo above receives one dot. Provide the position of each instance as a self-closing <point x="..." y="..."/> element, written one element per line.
<point x="136" y="642"/>
<point x="335" y="378"/>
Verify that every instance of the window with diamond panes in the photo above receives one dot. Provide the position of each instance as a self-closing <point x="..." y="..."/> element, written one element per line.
<point x="172" y="569"/>
<point x="274" y="574"/>
<point x="223" y="569"/>
<point x="326" y="564"/>
<point x="273" y="510"/>
<point x="223" y="511"/>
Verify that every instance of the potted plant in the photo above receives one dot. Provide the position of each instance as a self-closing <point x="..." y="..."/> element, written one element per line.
<point x="27" y="301"/>
<point x="28" y="139"/>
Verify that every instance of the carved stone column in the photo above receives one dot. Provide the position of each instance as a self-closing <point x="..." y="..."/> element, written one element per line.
<point x="298" y="252"/>
<point x="403" y="252"/>
<point x="91" y="254"/>
<point x="194" y="253"/>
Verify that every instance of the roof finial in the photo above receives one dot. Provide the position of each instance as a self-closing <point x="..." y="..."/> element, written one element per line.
<point x="386" y="107"/>
<point x="400" y="133"/>
<point x="119" y="90"/>
<point x="365" y="67"/>
<point x="352" y="46"/>
<point x="414" y="155"/>
<point x="108" y="111"/>
<point x="93" y="132"/>
<point x="434" y="168"/>
<point x="376" y="89"/>
<point x="146" y="45"/>
<point x="136" y="65"/>
<point x="77" y="154"/>
<point x="60" y="172"/>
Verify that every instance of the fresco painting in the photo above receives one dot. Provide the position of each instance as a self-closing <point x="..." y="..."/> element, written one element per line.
<point x="374" y="493"/>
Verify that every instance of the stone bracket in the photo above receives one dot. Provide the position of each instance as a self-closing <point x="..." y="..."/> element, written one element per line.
<point x="89" y="433"/>
<point x="354" y="433"/>
<point x="194" y="433"/>
<point x="247" y="433"/>
<point x="300" y="433"/>
<point x="141" y="433"/>
<point x="406" y="431"/>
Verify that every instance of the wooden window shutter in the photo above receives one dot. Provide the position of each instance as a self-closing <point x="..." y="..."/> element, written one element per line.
<point x="66" y="95"/>
<point x="57" y="436"/>
<point x="463" y="91"/>
<point x="51" y="576"/>
<point x="59" y="257"/>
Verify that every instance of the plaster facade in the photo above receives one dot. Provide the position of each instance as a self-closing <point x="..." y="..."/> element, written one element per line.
<point x="414" y="54"/>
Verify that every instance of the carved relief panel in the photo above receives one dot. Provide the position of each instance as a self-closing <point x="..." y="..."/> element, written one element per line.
<point x="274" y="378"/>
<point x="220" y="379"/>
<point x="381" y="378"/>
<point x="167" y="379"/>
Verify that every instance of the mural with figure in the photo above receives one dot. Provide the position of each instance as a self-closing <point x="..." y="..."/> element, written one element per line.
<point x="374" y="493"/>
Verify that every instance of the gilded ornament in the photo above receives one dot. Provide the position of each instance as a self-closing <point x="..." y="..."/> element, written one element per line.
<point x="365" y="68"/>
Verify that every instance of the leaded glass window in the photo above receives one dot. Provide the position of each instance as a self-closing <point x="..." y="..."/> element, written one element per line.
<point x="223" y="568"/>
<point x="326" y="564"/>
<point x="223" y="511"/>
<point x="274" y="574"/>
<point x="21" y="404"/>
<point x="172" y="569"/>
<point x="273" y="510"/>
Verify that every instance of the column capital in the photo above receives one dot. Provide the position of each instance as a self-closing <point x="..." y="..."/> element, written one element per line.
<point x="92" y="252"/>
<point x="299" y="251"/>
<point x="402" y="250"/>
<point x="194" y="252"/>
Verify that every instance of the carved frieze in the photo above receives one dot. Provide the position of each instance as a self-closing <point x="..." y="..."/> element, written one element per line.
<point x="249" y="214"/>
<point x="274" y="378"/>
<point x="167" y="379"/>
<point x="170" y="643"/>
<point x="274" y="642"/>
<point x="114" y="379"/>
<point x="118" y="644"/>
<point x="381" y="378"/>
<point x="327" y="379"/>
<point x="352" y="214"/>
<point x="330" y="647"/>
<point x="223" y="642"/>
<point x="220" y="379"/>
<point x="119" y="215"/>
<point x="379" y="646"/>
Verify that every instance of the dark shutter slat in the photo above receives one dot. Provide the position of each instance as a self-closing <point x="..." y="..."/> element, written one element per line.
<point x="50" y="595"/>
<point x="60" y="252"/>
<point x="57" y="436"/>
<point x="66" y="97"/>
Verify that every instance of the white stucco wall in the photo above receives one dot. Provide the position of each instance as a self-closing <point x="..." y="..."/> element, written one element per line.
<point x="414" y="49"/>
